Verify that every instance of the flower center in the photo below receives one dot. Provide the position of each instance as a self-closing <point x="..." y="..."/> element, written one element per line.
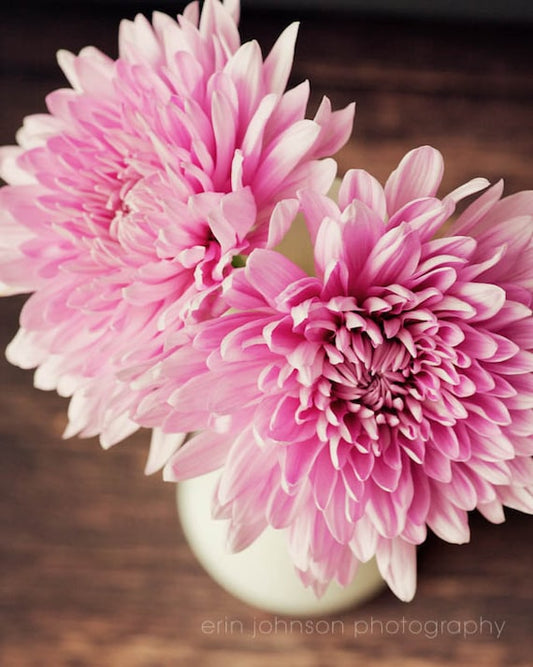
<point x="374" y="390"/>
<point x="367" y="378"/>
<point x="377" y="383"/>
<point x="120" y="205"/>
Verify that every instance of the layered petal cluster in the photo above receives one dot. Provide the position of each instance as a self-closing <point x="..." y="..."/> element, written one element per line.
<point x="391" y="392"/>
<point x="128" y="202"/>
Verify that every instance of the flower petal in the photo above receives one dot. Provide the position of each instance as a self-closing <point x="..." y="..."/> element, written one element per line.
<point x="418" y="175"/>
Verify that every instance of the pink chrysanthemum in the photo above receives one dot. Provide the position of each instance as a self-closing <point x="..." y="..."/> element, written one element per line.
<point x="129" y="201"/>
<point x="390" y="393"/>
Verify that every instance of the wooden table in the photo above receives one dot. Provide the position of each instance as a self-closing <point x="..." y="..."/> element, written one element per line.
<point x="94" y="568"/>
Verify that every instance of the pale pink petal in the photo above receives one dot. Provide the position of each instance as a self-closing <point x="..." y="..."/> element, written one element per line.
<point x="278" y="63"/>
<point x="336" y="127"/>
<point x="365" y="540"/>
<point x="290" y="147"/>
<point x="492" y="511"/>
<point x="316" y="207"/>
<point x="118" y="429"/>
<point x="218" y="19"/>
<point x="359" y="184"/>
<point x="447" y="521"/>
<point x="329" y="244"/>
<point x="66" y="61"/>
<point x="162" y="446"/>
<point x="233" y="7"/>
<point x="396" y="560"/>
<point x="477" y="210"/>
<point x="394" y="257"/>
<point x="241" y="535"/>
<point x="470" y="188"/>
<point x="137" y="42"/>
<point x="201" y="454"/>
<point x="192" y="12"/>
<point x="10" y="171"/>
<point x="281" y="220"/>
<point x="418" y="175"/>
<point x="270" y="273"/>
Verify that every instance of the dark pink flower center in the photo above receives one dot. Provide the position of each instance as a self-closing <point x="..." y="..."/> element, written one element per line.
<point x="366" y="373"/>
<point x="373" y="389"/>
<point x="368" y="387"/>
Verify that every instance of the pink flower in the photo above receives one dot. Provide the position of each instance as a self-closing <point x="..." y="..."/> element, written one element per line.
<point x="128" y="202"/>
<point x="390" y="393"/>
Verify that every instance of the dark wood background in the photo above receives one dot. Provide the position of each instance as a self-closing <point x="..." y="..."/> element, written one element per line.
<point x="94" y="569"/>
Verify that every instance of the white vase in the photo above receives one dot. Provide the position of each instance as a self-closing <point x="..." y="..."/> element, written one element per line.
<point x="261" y="575"/>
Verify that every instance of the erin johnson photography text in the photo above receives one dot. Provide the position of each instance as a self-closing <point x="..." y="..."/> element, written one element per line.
<point x="428" y="628"/>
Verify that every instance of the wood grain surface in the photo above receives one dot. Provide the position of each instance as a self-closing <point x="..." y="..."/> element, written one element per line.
<point x="94" y="570"/>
